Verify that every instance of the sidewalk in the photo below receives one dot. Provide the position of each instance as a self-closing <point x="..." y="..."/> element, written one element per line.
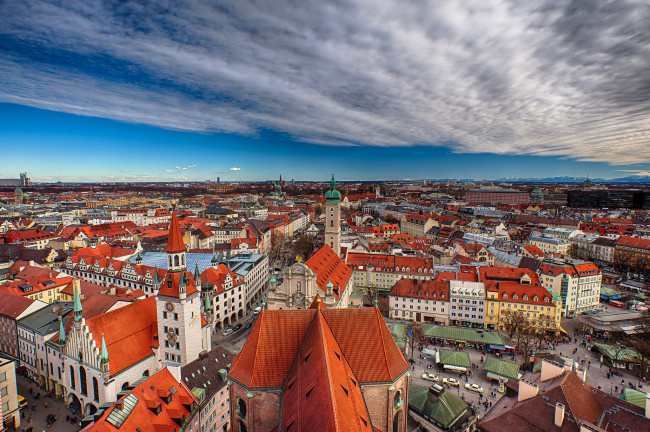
<point x="38" y="418"/>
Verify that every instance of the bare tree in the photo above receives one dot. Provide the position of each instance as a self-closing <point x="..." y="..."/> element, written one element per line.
<point x="304" y="245"/>
<point x="513" y="321"/>
<point x="526" y="334"/>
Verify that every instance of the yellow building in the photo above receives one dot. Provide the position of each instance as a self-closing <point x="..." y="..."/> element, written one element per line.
<point x="541" y="307"/>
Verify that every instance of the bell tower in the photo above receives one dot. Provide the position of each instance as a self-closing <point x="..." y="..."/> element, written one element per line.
<point x="178" y="305"/>
<point x="333" y="218"/>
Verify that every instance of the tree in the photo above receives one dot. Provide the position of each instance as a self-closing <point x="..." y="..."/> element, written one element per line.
<point x="304" y="245"/>
<point x="542" y="335"/>
<point x="417" y="335"/>
<point x="526" y="334"/>
<point x="513" y="321"/>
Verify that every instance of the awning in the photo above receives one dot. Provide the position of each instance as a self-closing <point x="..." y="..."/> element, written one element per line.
<point x="499" y="347"/>
<point x="494" y="376"/>
<point x="455" y="368"/>
<point x="564" y="331"/>
<point x="428" y="351"/>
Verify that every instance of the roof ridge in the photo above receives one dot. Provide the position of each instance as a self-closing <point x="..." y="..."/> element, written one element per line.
<point x="381" y="338"/>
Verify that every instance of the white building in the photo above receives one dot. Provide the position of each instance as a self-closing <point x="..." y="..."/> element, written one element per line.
<point x="467" y="303"/>
<point x="254" y="270"/>
<point x="423" y="301"/>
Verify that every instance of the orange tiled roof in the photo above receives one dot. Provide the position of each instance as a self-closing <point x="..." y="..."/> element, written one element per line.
<point x="175" y="242"/>
<point x="321" y="392"/>
<point x="171" y="289"/>
<point x="274" y="342"/>
<point x="128" y="331"/>
<point x="427" y="289"/>
<point x="329" y="268"/>
<point x="142" y="417"/>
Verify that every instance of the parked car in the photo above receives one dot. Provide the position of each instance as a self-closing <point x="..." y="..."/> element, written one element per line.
<point x="451" y="382"/>
<point x="257" y="310"/>
<point x="248" y="324"/>
<point x="238" y="326"/>
<point x="229" y="332"/>
<point x="474" y="387"/>
<point x="431" y="377"/>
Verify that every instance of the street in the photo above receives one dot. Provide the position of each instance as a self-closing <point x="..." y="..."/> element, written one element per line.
<point x="37" y="418"/>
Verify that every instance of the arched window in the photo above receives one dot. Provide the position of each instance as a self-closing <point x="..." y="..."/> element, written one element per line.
<point x="242" y="426"/>
<point x="331" y="224"/>
<point x="72" y="384"/>
<point x="241" y="408"/>
<point x="95" y="390"/>
<point x="170" y="261"/>
<point x="183" y="259"/>
<point x="176" y="263"/>
<point x="396" y="422"/>
<point x="82" y="381"/>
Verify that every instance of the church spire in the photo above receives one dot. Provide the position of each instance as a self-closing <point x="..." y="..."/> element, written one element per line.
<point x="175" y="247"/>
<point x="61" y="331"/>
<point x="77" y="302"/>
<point x="197" y="276"/>
<point x="156" y="279"/>
<point x="104" y="357"/>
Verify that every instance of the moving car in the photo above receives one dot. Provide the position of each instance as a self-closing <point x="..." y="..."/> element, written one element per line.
<point x="474" y="387"/>
<point x="257" y="310"/>
<point x="228" y="332"/>
<point x="431" y="377"/>
<point x="451" y="382"/>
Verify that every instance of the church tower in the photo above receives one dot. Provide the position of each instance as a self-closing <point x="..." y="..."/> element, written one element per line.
<point x="178" y="304"/>
<point x="333" y="218"/>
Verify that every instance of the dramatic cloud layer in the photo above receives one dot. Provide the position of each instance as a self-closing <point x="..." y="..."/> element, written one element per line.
<point x="521" y="77"/>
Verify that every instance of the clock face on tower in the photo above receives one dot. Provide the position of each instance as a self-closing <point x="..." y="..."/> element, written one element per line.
<point x="332" y="210"/>
<point x="169" y="306"/>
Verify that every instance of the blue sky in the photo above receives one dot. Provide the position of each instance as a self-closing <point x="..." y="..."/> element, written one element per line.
<point x="119" y="90"/>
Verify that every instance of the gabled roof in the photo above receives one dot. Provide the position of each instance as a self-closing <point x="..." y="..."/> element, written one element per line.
<point x="277" y="335"/>
<point x="329" y="268"/>
<point x="138" y="406"/>
<point x="321" y="392"/>
<point x="129" y="333"/>
<point x="170" y="286"/>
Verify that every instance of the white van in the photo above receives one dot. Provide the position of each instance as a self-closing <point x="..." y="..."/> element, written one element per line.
<point x="257" y="310"/>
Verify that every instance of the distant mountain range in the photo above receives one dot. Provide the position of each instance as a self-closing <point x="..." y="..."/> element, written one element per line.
<point x="567" y="179"/>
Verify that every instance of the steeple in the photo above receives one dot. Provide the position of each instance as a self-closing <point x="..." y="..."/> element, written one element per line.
<point x="61" y="331"/>
<point x="156" y="280"/>
<point x="208" y="302"/>
<point x="104" y="357"/>
<point x="77" y="302"/>
<point x="332" y="195"/>
<point x="175" y="247"/>
<point x="197" y="276"/>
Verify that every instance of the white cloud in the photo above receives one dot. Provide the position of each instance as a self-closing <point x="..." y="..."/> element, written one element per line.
<point x="235" y="169"/>
<point x="505" y="77"/>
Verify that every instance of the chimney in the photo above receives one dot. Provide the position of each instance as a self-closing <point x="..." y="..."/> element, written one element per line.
<point x="559" y="414"/>
<point x="527" y="390"/>
<point x="647" y="405"/>
<point x="550" y="369"/>
<point x="32" y="263"/>
<point x="582" y="374"/>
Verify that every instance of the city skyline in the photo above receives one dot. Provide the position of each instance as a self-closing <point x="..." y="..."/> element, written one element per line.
<point x="121" y="92"/>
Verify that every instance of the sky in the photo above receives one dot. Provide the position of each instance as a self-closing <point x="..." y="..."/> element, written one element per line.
<point x="190" y="90"/>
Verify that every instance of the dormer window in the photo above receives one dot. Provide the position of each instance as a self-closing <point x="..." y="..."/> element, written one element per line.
<point x="535" y="298"/>
<point x="505" y="296"/>
<point x="525" y="298"/>
<point x="514" y="296"/>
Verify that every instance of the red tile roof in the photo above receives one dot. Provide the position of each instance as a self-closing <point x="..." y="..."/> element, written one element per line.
<point x="427" y="289"/>
<point x="128" y="331"/>
<point x="329" y="268"/>
<point x="321" y="392"/>
<point x="274" y="342"/>
<point x="142" y="417"/>
<point x="170" y="286"/>
<point x="12" y="305"/>
<point x="175" y="241"/>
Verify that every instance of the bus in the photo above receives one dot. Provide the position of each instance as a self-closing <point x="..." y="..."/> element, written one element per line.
<point x="617" y="303"/>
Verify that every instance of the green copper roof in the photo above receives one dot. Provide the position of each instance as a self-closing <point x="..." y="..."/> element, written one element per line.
<point x="197" y="275"/>
<point x="444" y="409"/>
<point x="77" y="305"/>
<point x="273" y="280"/>
<point x="454" y="358"/>
<point x="104" y="357"/>
<point x="502" y="368"/>
<point x="332" y="195"/>
<point x="330" y="284"/>
<point x="208" y="303"/>
<point x="156" y="280"/>
<point x="61" y="331"/>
